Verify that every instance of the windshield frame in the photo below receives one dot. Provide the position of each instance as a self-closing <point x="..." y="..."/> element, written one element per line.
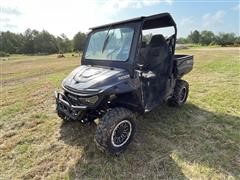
<point x="109" y="28"/>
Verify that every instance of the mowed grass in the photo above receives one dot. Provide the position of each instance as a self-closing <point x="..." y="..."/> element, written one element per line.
<point x="201" y="140"/>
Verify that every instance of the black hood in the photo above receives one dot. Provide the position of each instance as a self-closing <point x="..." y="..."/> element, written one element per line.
<point x="93" y="78"/>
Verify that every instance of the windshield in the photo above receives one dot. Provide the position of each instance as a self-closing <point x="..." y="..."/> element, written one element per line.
<point x="112" y="44"/>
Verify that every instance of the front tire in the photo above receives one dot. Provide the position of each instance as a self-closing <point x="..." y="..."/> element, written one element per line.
<point x="180" y="94"/>
<point x="115" y="131"/>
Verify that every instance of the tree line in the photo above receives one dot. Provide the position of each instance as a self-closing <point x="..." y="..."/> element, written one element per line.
<point x="39" y="42"/>
<point x="42" y="42"/>
<point x="209" y="38"/>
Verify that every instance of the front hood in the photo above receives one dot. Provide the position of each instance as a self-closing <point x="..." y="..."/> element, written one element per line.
<point x="92" y="78"/>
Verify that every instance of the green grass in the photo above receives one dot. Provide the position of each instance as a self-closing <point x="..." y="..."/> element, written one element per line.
<point x="201" y="140"/>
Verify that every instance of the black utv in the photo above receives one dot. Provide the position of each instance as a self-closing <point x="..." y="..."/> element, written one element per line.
<point x="122" y="76"/>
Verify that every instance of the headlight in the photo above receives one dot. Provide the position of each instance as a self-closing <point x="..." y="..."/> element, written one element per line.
<point x="90" y="100"/>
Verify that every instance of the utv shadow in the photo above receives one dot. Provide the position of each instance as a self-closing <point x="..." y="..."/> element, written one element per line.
<point x="162" y="134"/>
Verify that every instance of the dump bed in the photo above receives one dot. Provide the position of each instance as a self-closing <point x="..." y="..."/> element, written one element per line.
<point x="183" y="64"/>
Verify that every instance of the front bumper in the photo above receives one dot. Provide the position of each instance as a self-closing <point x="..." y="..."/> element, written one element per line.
<point x="66" y="110"/>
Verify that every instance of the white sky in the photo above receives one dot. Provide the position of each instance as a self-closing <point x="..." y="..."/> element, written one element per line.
<point x="58" y="17"/>
<point x="72" y="16"/>
<point x="54" y="16"/>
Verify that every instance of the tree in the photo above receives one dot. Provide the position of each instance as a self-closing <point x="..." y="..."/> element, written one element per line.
<point x="33" y="41"/>
<point x="28" y="46"/>
<point x="63" y="44"/>
<point x="207" y="37"/>
<point x="10" y="42"/>
<point x="194" y="37"/>
<point x="225" y="39"/>
<point x="79" y="41"/>
<point x="45" y="43"/>
<point x="237" y="41"/>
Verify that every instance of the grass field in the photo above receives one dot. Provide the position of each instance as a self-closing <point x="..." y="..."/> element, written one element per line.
<point x="198" y="141"/>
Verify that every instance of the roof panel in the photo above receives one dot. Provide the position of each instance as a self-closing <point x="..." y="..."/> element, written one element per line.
<point x="153" y="21"/>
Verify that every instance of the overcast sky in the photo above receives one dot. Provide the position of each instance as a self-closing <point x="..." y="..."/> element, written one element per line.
<point x="71" y="16"/>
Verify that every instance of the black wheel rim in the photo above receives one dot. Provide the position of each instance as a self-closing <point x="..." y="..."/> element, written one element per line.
<point x="182" y="95"/>
<point x="121" y="133"/>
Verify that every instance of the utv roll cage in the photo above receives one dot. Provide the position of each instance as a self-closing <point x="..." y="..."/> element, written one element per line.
<point x="162" y="20"/>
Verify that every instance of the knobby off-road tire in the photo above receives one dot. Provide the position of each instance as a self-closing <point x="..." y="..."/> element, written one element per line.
<point x="108" y="135"/>
<point x="180" y="94"/>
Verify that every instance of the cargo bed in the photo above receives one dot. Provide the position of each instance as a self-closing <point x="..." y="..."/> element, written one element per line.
<point x="183" y="64"/>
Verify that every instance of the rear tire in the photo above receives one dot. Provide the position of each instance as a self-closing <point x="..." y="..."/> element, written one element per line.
<point x="180" y="94"/>
<point x="115" y="131"/>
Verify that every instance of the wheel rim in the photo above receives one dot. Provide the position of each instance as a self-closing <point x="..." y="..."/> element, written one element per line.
<point x="183" y="94"/>
<point x="121" y="133"/>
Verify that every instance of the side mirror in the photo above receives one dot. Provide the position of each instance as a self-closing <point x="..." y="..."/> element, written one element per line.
<point x="140" y="66"/>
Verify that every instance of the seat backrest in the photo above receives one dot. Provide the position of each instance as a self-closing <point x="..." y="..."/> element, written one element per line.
<point x="157" y="41"/>
<point x="155" y="54"/>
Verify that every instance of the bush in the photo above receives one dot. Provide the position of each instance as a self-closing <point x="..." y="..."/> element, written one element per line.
<point x="4" y="54"/>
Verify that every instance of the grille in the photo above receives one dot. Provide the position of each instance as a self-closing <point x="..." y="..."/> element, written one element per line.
<point x="74" y="100"/>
